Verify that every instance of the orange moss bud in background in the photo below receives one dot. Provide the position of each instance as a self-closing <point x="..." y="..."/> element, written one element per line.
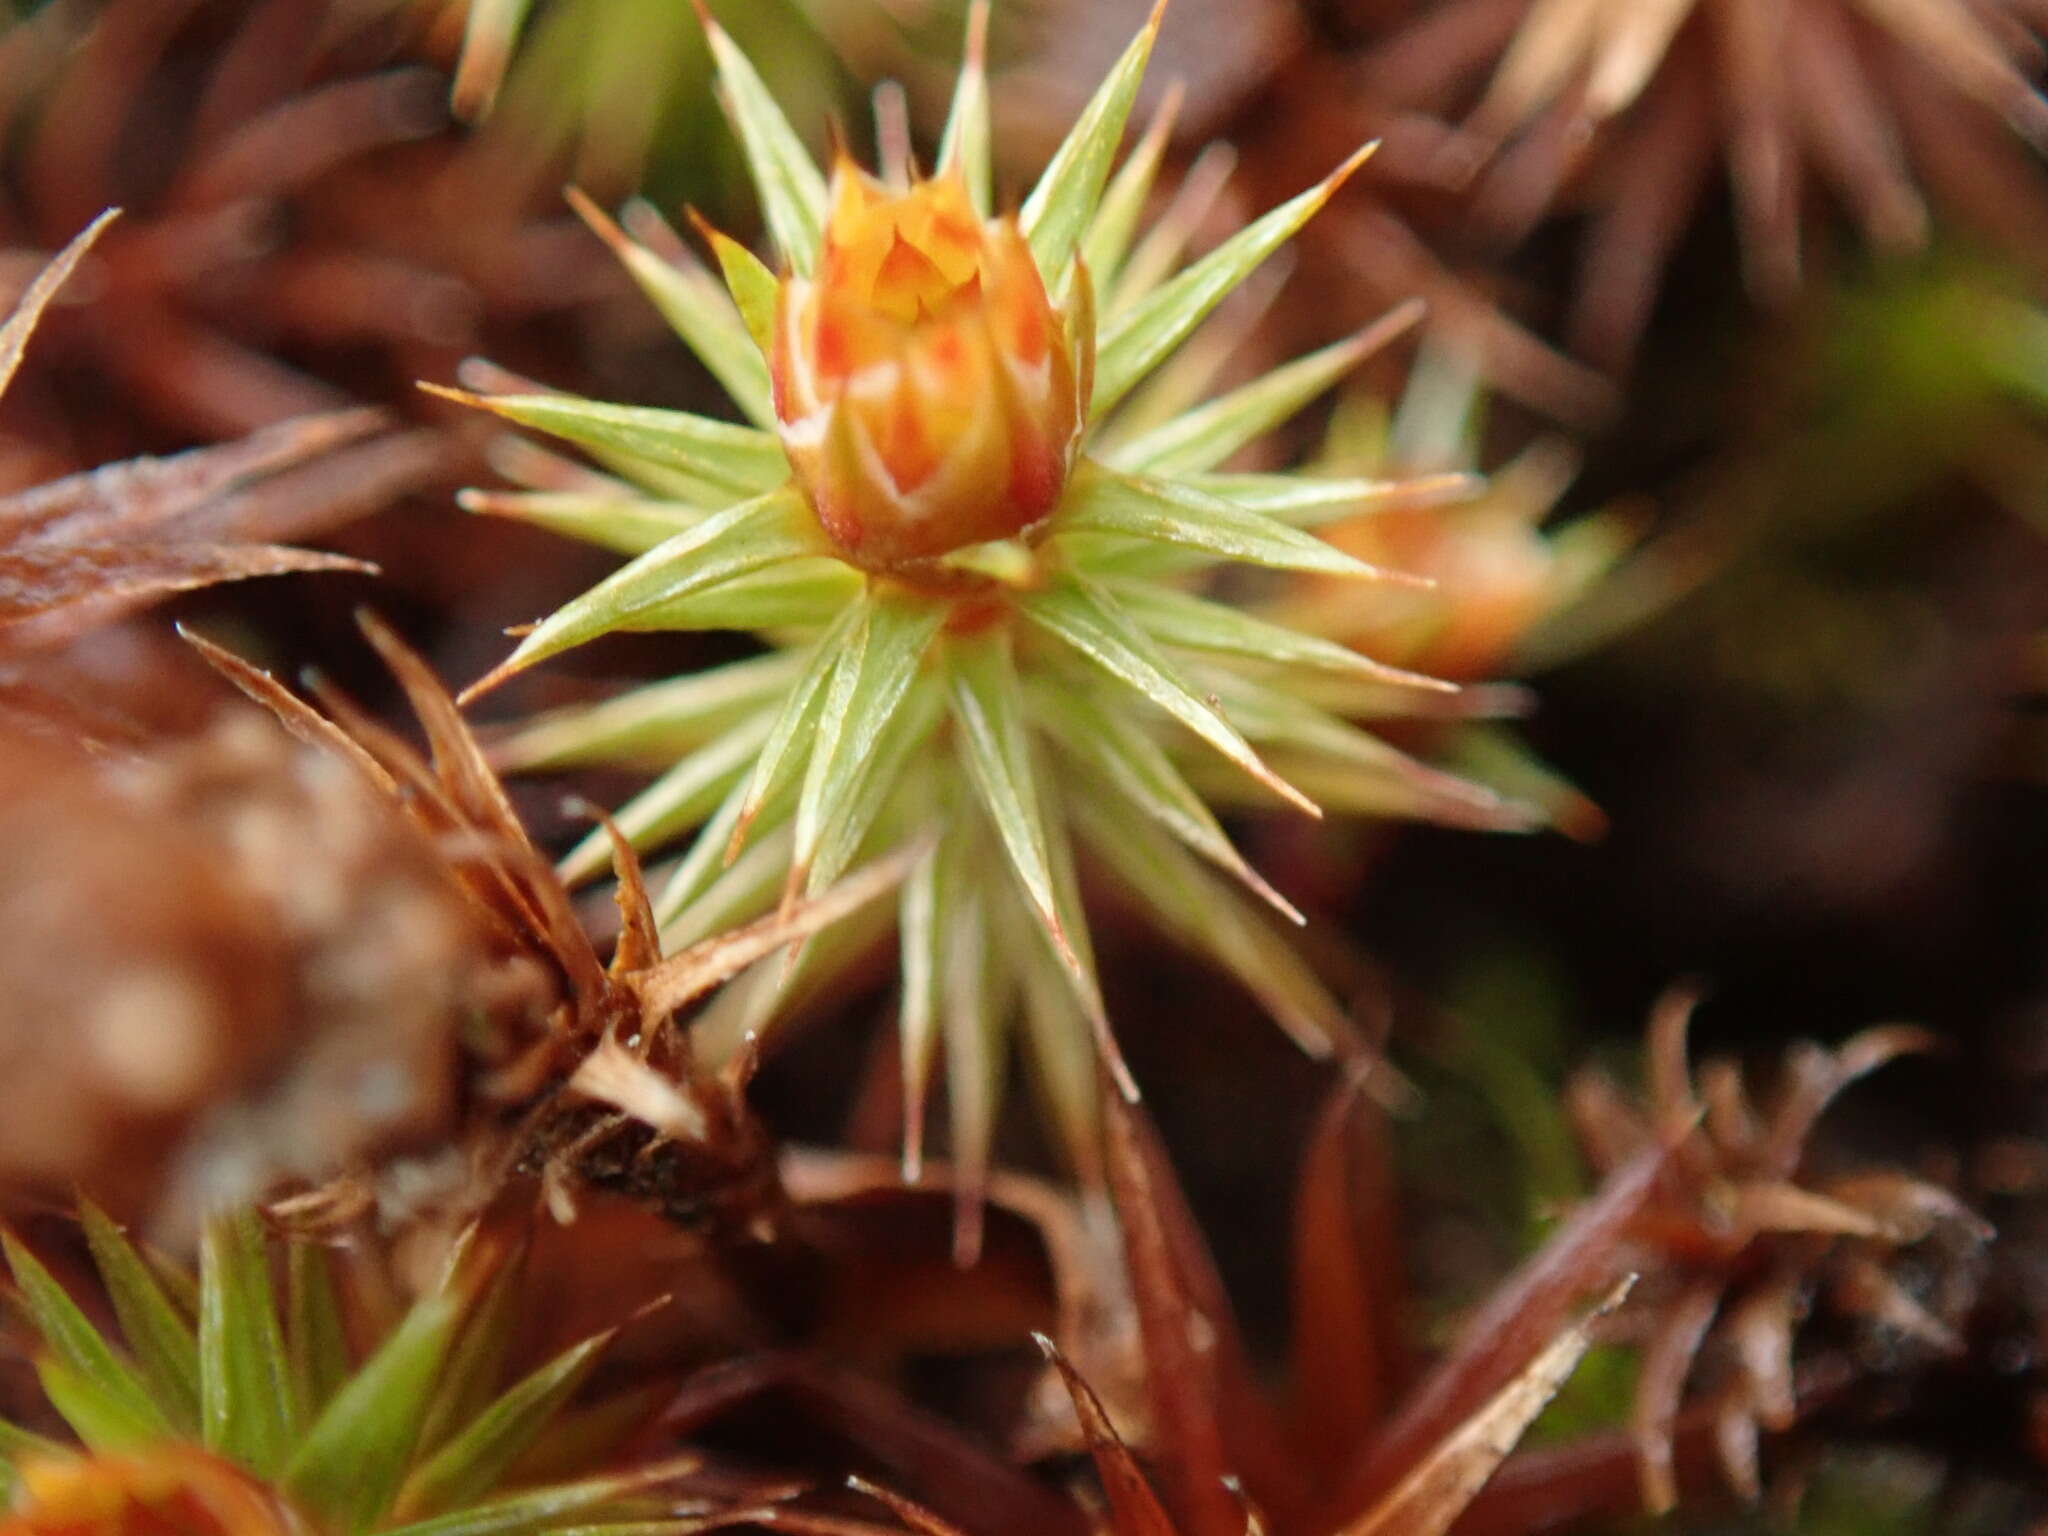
<point x="927" y="393"/>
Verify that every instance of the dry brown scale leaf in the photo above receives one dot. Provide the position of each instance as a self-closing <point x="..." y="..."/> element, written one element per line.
<point x="589" y="1075"/>
<point x="1743" y="1238"/>
<point x="79" y="553"/>
<point x="1625" y="109"/>
<point x="303" y="228"/>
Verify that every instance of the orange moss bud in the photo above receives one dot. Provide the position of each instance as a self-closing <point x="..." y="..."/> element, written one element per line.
<point x="926" y="390"/>
<point x="168" y="1490"/>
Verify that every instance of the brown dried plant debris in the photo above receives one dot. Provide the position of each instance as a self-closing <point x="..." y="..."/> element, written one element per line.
<point x="1158" y="1387"/>
<point x="79" y="553"/>
<point x="1625" y="107"/>
<point x="303" y="226"/>
<point x="588" y="1074"/>
<point x="1743" y="1238"/>
<point x="227" y="965"/>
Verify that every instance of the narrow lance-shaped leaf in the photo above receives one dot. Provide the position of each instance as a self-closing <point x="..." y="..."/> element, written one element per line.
<point x="988" y="711"/>
<point x="752" y="288"/>
<point x="791" y="189"/>
<point x="109" y="1389"/>
<point x="1139" y="768"/>
<point x="745" y="538"/>
<point x="1063" y="202"/>
<point x="548" y="1508"/>
<point x="789" y="739"/>
<point x="1306" y="501"/>
<point x="247" y="1403"/>
<point x="964" y="145"/>
<point x="1188" y="622"/>
<point x="1204" y="437"/>
<point x="872" y="681"/>
<point x="1079" y="613"/>
<point x="880" y="786"/>
<point x="1139" y="337"/>
<point x="470" y="1464"/>
<point x="1211" y="919"/>
<point x="743" y="460"/>
<point x="973" y="1013"/>
<point x="318" y="1348"/>
<point x="624" y="526"/>
<point x="918" y="933"/>
<point x="1103" y="501"/>
<point x="1109" y="233"/>
<point x="653" y="725"/>
<point x="697" y="308"/>
<point x="155" y="1330"/>
<point x="350" y="1461"/>
<point x="673" y="803"/>
<point x="790" y="595"/>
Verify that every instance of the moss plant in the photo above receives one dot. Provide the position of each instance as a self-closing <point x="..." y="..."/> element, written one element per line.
<point x="228" y="1407"/>
<point x="968" y="516"/>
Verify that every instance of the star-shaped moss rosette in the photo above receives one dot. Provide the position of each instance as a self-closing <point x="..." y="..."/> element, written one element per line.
<point x="228" y="1404"/>
<point x="968" y="516"/>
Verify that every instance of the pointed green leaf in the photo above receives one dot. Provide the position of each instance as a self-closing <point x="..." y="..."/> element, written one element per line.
<point x="1356" y="769"/>
<point x="918" y="937"/>
<point x="104" y="1387"/>
<point x="97" y="1416"/>
<point x="1109" y="233"/>
<point x="974" y="1016"/>
<point x="348" y="1466"/>
<point x="1061" y="1053"/>
<point x="1166" y="512"/>
<point x="874" y="674"/>
<point x="156" y="1332"/>
<point x="495" y="1276"/>
<point x="470" y="1464"/>
<point x="697" y="308"/>
<point x="742" y="460"/>
<point x="1186" y="622"/>
<point x="1212" y="919"/>
<point x="673" y="803"/>
<point x="1136" y="339"/>
<point x="1305" y="501"/>
<point x="881" y="786"/>
<point x="627" y="526"/>
<point x="789" y="743"/>
<point x="705" y="857"/>
<point x="654" y="725"/>
<point x="1204" y="437"/>
<point x="800" y="594"/>
<point x="315" y="1339"/>
<point x="791" y="190"/>
<point x="248" y="1408"/>
<point x="531" y="1510"/>
<point x="744" y="538"/>
<point x="965" y="142"/>
<point x="987" y="707"/>
<point x="1074" y="610"/>
<point x="753" y="289"/>
<point x="1128" y="758"/>
<point x="716" y="895"/>
<point x="1065" y="199"/>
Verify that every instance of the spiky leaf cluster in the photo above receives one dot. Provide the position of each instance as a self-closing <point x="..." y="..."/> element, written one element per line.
<point x="224" y="1389"/>
<point x="1071" y="684"/>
